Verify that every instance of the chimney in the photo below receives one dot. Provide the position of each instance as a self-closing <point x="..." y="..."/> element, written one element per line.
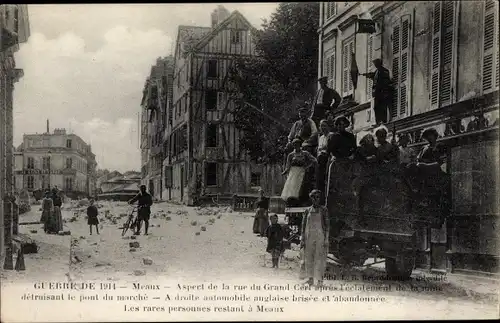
<point x="219" y="15"/>
<point x="48" y="126"/>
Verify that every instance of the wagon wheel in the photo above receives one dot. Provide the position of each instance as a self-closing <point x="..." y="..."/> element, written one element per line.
<point x="400" y="267"/>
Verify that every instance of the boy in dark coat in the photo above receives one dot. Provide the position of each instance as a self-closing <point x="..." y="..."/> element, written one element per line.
<point x="92" y="217"/>
<point x="275" y="234"/>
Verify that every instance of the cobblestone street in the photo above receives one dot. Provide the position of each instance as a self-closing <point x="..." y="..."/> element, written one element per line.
<point x="225" y="251"/>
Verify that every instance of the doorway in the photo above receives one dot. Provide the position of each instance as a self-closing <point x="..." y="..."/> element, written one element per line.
<point x="152" y="188"/>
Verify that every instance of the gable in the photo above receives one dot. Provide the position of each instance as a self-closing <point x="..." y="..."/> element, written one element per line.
<point x="235" y="21"/>
<point x="188" y="37"/>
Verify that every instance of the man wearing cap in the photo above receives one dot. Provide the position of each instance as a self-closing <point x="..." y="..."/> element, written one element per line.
<point x="326" y="99"/>
<point x="381" y="91"/>
<point x="303" y="129"/>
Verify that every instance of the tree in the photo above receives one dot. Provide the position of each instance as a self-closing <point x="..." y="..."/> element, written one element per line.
<point x="282" y="76"/>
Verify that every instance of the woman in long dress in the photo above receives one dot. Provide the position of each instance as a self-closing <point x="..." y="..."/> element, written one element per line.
<point x="297" y="162"/>
<point x="315" y="239"/>
<point x="261" y="221"/>
<point x="55" y="223"/>
<point x="47" y="209"/>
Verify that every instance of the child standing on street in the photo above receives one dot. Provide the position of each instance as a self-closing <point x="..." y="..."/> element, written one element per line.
<point x="92" y="217"/>
<point x="275" y="236"/>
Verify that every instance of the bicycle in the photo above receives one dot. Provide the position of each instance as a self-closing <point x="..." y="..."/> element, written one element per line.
<point x="130" y="221"/>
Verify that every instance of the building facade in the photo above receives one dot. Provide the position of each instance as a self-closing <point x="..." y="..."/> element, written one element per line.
<point x="56" y="159"/>
<point x="156" y="102"/>
<point x="444" y="61"/>
<point x="204" y="158"/>
<point x="14" y="30"/>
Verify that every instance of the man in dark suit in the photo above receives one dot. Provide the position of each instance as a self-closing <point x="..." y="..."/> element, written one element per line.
<point x="326" y="99"/>
<point x="381" y="91"/>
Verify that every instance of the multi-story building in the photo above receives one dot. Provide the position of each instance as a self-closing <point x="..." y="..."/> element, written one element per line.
<point x="443" y="58"/>
<point x="204" y="155"/>
<point x="156" y="102"/>
<point x="56" y="159"/>
<point x="14" y="30"/>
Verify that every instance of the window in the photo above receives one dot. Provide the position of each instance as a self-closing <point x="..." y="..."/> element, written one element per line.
<point x="347" y="52"/>
<point x="329" y="68"/>
<point x="168" y="176"/>
<point x="31" y="182"/>
<point x="31" y="163"/>
<point x="211" y="99"/>
<point x="211" y="174"/>
<point x="235" y="36"/>
<point x="68" y="184"/>
<point x="212" y="130"/>
<point x="330" y="9"/>
<point x="369" y="59"/>
<point x="401" y="56"/>
<point x="444" y="51"/>
<point x="212" y="68"/>
<point x="45" y="182"/>
<point x="46" y="163"/>
<point x="255" y="179"/>
<point x="490" y="47"/>
<point x="68" y="143"/>
<point x="69" y="163"/>
<point x="221" y="104"/>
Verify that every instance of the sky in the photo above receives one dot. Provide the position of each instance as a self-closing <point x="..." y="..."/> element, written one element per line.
<point x="85" y="66"/>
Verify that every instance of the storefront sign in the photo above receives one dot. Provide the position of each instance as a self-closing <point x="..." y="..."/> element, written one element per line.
<point x="40" y="171"/>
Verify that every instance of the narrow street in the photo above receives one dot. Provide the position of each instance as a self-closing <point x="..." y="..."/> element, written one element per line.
<point x="224" y="251"/>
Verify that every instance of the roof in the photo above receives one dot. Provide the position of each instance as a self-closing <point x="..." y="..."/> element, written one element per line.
<point x="190" y="36"/>
<point x="235" y="14"/>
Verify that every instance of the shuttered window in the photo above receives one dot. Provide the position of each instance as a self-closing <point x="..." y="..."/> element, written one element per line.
<point x="444" y="52"/>
<point x="330" y="9"/>
<point x="490" y="47"/>
<point x="329" y="68"/>
<point x="369" y="59"/>
<point x="347" y="50"/>
<point x="401" y="64"/>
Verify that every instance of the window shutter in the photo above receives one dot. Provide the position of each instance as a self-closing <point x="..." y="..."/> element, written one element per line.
<point x="351" y="50"/>
<point x="396" y="48"/>
<point x="404" y="71"/>
<point x="345" y="69"/>
<point x="436" y="53"/>
<point x="490" y="58"/>
<point x="448" y="26"/>
<point x="326" y="66"/>
<point x="329" y="69"/>
<point x="332" y="70"/>
<point x="369" y="59"/>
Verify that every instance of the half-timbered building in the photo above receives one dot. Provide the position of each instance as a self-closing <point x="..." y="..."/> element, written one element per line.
<point x="443" y="59"/>
<point x="204" y="155"/>
<point x="155" y="105"/>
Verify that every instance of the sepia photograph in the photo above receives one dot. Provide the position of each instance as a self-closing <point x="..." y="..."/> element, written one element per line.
<point x="294" y="161"/>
